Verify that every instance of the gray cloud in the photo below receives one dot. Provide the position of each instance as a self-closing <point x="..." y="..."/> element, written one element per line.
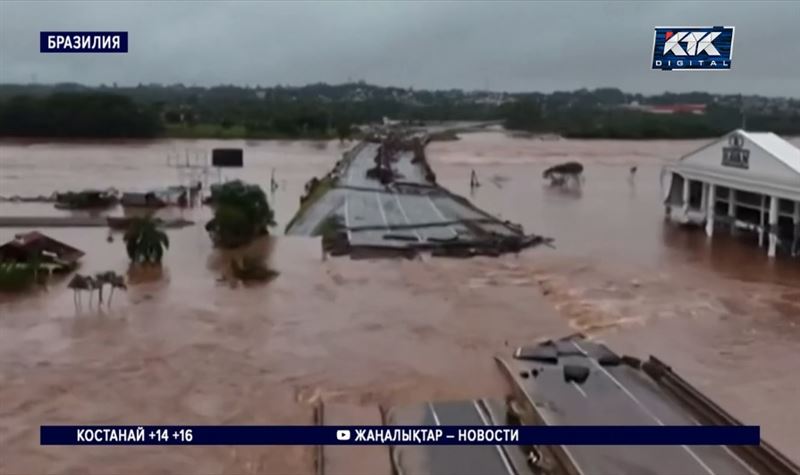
<point x="516" y="46"/>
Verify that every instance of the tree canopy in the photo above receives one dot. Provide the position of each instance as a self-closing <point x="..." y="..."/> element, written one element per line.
<point x="77" y="115"/>
<point x="144" y="242"/>
<point x="241" y="213"/>
<point x="328" y="111"/>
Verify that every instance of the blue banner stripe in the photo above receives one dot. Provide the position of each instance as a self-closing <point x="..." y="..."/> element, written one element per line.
<point x="83" y="42"/>
<point x="446" y="435"/>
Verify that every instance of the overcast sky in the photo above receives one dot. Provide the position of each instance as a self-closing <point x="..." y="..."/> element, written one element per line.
<point x="514" y="46"/>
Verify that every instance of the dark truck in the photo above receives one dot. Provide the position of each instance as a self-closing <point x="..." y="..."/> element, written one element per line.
<point x="572" y="381"/>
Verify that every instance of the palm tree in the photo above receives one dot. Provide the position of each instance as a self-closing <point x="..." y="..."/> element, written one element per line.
<point x="79" y="283"/>
<point x="118" y="282"/>
<point x="111" y="278"/>
<point x="144" y="242"/>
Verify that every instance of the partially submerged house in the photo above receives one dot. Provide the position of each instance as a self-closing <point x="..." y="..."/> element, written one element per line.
<point x="86" y="199"/>
<point x="143" y="199"/>
<point x="158" y="198"/>
<point x="36" y="247"/>
<point x="743" y="181"/>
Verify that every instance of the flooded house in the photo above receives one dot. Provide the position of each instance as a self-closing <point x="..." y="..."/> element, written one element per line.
<point x="142" y="199"/>
<point x="50" y="253"/>
<point x="86" y="199"/>
<point x="745" y="182"/>
<point x="157" y="198"/>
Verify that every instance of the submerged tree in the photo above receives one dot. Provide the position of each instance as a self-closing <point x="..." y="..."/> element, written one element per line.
<point x="241" y="214"/>
<point x="144" y="242"/>
<point x="111" y="278"/>
<point x="15" y="276"/>
<point x="251" y="270"/>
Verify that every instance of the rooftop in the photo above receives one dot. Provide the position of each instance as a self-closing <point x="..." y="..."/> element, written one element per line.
<point x="775" y="146"/>
<point x="24" y="245"/>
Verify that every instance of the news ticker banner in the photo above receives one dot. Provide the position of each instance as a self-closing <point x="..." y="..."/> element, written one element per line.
<point x="400" y="435"/>
<point x="83" y="42"/>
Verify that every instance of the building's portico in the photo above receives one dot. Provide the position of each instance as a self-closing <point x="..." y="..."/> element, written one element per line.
<point x="745" y="180"/>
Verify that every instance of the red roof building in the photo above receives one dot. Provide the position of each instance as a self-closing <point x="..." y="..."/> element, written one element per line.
<point x="676" y="108"/>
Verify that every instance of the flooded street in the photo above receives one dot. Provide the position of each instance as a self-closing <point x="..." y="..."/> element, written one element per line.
<point x="186" y="347"/>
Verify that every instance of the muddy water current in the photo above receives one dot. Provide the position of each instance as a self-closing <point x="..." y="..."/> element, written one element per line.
<point x="185" y="345"/>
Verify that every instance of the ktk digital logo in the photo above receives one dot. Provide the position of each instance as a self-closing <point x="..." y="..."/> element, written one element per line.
<point x="693" y="48"/>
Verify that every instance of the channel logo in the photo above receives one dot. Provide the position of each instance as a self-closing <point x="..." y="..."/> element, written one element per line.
<point x="343" y="434"/>
<point x="693" y="48"/>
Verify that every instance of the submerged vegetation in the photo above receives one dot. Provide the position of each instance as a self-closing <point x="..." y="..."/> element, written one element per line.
<point x="241" y="214"/>
<point x="145" y="242"/>
<point x="251" y="270"/>
<point x="17" y="276"/>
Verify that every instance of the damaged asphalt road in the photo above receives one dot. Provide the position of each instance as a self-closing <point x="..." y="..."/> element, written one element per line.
<point x="382" y="199"/>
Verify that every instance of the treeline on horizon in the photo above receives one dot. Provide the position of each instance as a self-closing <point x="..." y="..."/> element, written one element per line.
<point x="328" y="111"/>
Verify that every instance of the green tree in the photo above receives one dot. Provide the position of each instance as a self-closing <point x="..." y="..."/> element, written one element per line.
<point x="241" y="213"/>
<point x="343" y="131"/>
<point x="523" y="115"/>
<point x="172" y="117"/>
<point x="77" y="115"/>
<point x="144" y="242"/>
<point x="15" y="277"/>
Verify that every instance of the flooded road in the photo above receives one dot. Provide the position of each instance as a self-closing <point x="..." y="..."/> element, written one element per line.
<point x="186" y="347"/>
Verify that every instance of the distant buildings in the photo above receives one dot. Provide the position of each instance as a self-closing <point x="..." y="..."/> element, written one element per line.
<point x="698" y="109"/>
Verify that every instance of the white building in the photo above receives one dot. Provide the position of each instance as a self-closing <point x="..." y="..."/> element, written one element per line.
<point x="743" y="181"/>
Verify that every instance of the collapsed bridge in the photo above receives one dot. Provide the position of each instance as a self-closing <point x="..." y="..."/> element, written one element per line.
<point x="382" y="198"/>
<point x="572" y="381"/>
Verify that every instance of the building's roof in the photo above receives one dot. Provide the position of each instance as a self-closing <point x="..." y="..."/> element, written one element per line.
<point x="775" y="146"/>
<point x="775" y="180"/>
<point x="36" y="241"/>
<point x="25" y="239"/>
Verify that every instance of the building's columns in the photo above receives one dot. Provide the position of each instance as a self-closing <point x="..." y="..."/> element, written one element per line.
<point x="762" y="225"/>
<point x="732" y="208"/>
<point x="704" y="197"/>
<point x="773" y="225"/>
<point x="797" y="213"/>
<point x="685" y="198"/>
<point x="796" y="243"/>
<point x="710" y="205"/>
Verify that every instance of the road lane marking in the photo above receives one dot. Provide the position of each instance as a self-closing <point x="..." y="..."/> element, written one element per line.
<point x="441" y="215"/>
<point x="730" y="452"/>
<point x="347" y="217"/>
<point x="642" y="406"/>
<point x="486" y="422"/>
<point x="349" y="173"/>
<point x="435" y="416"/>
<point x="580" y="390"/>
<point x="405" y="216"/>
<point x="383" y="213"/>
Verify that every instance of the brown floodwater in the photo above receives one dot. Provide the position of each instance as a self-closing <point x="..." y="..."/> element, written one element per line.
<point x="186" y="346"/>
